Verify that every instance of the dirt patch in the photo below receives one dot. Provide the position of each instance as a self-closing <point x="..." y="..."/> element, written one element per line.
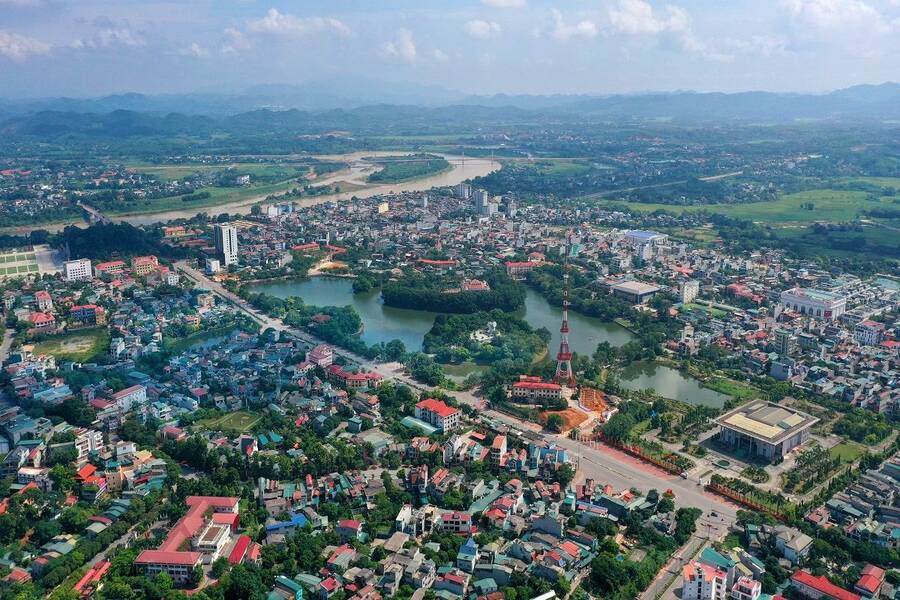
<point x="592" y="399"/>
<point x="571" y="416"/>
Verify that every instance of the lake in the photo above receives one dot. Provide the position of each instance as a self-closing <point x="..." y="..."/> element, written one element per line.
<point x="385" y="323"/>
<point x="669" y="383"/>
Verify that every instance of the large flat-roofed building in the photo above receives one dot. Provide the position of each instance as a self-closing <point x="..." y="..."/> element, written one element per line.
<point x="636" y="292"/>
<point x="638" y="237"/>
<point x="765" y="430"/>
<point x="814" y="303"/>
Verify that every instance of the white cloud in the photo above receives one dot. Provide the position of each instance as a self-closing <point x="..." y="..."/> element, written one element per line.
<point x="403" y="47"/>
<point x="18" y="47"/>
<point x="838" y="15"/>
<point x="195" y="50"/>
<point x="563" y="31"/>
<point x="439" y="55"/>
<point x="111" y="36"/>
<point x="482" y="30"/>
<point x="235" y="41"/>
<point x="637" y="17"/>
<point x="504" y="3"/>
<point x="288" y="25"/>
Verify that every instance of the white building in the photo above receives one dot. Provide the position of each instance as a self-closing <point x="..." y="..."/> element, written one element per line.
<point x="78" y="270"/>
<point x="226" y="244"/>
<point x="869" y="333"/>
<point x="703" y="582"/>
<point x="814" y="303"/>
<point x="436" y="413"/>
<point x="746" y="589"/>
<point x="87" y="441"/>
<point x="689" y="289"/>
<point x="129" y="397"/>
<point x="463" y="191"/>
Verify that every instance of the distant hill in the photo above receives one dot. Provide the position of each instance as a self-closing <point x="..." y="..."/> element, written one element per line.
<point x="132" y="115"/>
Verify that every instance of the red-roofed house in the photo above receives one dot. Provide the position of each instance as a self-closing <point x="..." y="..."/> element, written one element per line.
<point x="44" y="301"/>
<point x="127" y="398"/>
<point x="455" y="522"/>
<point x="355" y="381"/>
<point x="113" y="267"/>
<point x="703" y="582"/>
<point x="199" y="536"/>
<point x="349" y="529"/>
<point x="42" y="321"/>
<point x="438" y="414"/>
<point x="144" y="265"/>
<point x="532" y="389"/>
<point x="810" y="586"/>
<point x="870" y="581"/>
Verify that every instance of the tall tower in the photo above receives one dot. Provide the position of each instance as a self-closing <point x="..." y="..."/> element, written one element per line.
<point x="564" y="374"/>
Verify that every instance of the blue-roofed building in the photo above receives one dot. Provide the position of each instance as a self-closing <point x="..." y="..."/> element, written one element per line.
<point x="467" y="556"/>
<point x="296" y="520"/>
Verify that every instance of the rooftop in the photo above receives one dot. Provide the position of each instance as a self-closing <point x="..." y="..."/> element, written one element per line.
<point x="766" y="421"/>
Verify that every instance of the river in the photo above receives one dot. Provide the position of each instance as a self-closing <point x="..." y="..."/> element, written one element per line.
<point x="384" y="323"/>
<point x="669" y="383"/>
<point x="360" y="168"/>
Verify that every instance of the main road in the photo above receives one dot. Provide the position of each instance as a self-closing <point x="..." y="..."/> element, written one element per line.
<point x="594" y="461"/>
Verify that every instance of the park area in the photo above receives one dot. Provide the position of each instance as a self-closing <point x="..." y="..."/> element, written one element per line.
<point x="76" y="346"/>
<point x="18" y="262"/>
<point x="240" y="421"/>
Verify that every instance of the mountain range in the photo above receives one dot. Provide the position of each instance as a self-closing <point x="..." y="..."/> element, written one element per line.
<point x="370" y="108"/>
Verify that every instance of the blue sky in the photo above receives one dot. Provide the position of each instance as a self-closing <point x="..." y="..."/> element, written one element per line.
<point x="92" y="47"/>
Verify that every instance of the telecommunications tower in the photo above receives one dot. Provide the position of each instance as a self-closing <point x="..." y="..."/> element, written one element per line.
<point x="564" y="374"/>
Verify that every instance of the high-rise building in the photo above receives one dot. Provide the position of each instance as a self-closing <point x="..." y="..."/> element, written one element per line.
<point x="481" y="199"/>
<point x="689" y="289"/>
<point x="463" y="191"/>
<point x="226" y="244"/>
<point x="784" y="341"/>
<point x="77" y="270"/>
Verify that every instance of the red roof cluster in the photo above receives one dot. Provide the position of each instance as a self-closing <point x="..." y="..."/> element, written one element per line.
<point x="821" y="584"/>
<point x="437" y="407"/>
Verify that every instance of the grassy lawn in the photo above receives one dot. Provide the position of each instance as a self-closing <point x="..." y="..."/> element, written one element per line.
<point x="240" y="421"/>
<point x="736" y="389"/>
<point x="846" y="452"/>
<point x="77" y="346"/>
<point x="711" y="310"/>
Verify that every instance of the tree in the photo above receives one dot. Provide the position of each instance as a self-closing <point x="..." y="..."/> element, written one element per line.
<point x="555" y="423"/>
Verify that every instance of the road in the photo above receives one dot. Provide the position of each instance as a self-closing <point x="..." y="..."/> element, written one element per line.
<point x="595" y="461"/>
<point x="8" y="336"/>
<point x="665" y="580"/>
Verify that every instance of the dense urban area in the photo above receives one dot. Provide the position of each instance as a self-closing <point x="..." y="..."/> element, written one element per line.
<point x="407" y="354"/>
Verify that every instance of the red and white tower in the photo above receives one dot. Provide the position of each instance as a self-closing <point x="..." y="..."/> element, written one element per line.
<point x="564" y="374"/>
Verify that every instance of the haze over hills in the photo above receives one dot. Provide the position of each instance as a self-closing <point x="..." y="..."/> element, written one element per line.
<point x="316" y="109"/>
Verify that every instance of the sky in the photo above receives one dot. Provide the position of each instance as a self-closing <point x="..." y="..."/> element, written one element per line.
<point x="93" y="47"/>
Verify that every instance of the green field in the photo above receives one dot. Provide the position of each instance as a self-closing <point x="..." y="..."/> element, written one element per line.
<point x="77" y="346"/>
<point x="827" y="205"/>
<point x="712" y="311"/>
<point x="240" y="421"/>
<point x="846" y="452"/>
<point x="255" y="170"/>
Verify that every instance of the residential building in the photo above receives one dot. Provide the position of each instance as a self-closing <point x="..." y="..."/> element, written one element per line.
<point x="702" y="582"/>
